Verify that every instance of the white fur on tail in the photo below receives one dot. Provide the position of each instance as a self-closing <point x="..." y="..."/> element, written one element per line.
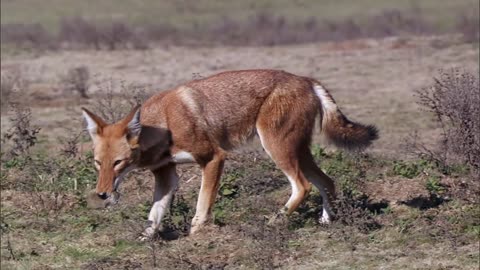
<point x="326" y="99"/>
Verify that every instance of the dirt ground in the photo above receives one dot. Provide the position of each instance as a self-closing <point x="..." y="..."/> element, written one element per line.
<point x="373" y="81"/>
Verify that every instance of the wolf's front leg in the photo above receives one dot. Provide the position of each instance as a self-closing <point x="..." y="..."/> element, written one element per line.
<point x="166" y="182"/>
<point x="211" y="173"/>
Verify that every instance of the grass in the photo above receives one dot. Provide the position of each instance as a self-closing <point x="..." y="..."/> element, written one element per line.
<point x="107" y="238"/>
<point x="205" y="12"/>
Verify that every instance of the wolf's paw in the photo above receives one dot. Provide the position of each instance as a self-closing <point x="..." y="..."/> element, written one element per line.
<point x="277" y="219"/>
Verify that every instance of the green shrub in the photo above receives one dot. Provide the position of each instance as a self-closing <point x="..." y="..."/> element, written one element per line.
<point x="412" y="169"/>
<point x="433" y="185"/>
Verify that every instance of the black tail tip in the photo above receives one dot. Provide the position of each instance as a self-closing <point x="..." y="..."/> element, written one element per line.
<point x="372" y="132"/>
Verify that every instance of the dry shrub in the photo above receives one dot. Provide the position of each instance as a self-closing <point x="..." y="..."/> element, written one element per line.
<point x="454" y="100"/>
<point x="77" y="80"/>
<point x="117" y="99"/>
<point x="353" y="211"/>
<point x="22" y="135"/>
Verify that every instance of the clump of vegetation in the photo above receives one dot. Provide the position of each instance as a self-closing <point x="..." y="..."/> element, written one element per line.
<point x="77" y="80"/>
<point x="454" y="100"/>
<point x="22" y="135"/>
<point x="117" y="99"/>
<point x="46" y="180"/>
<point x="410" y="169"/>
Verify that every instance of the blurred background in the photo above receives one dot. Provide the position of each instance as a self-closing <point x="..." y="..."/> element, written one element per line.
<point x="136" y="24"/>
<point x="410" y="201"/>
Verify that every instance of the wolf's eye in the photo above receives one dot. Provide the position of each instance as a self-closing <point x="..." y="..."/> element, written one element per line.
<point x="117" y="162"/>
<point x="98" y="162"/>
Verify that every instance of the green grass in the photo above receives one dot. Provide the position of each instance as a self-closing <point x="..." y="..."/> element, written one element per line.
<point x="186" y="14"/>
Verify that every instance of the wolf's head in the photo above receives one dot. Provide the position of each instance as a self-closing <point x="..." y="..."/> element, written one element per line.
<point x="115" y="150"/>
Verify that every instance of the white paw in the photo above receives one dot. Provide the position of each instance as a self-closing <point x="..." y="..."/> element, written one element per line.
<point x="278" y="218"/>
<point x="147" y="234"/>
<point x="143" y="238"/>
<point x="324" y="220"/>
<point x="195" y="229"/>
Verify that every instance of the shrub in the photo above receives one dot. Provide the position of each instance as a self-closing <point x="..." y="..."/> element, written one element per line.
<point x="117" y="99"/>
<point x="454" y="100"/>
<point x="77" y="80"/>
<point x="22" y="135"/>
<point x="50" y="182"/>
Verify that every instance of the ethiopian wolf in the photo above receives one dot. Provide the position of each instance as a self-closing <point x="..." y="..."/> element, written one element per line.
<point x="203" y="119"/>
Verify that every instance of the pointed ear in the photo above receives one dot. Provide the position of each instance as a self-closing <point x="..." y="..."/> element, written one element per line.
<point x="95" y="124"/>
<point x="132" y="122"/>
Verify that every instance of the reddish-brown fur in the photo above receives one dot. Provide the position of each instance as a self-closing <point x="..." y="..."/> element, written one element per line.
<point x="206" y="118"/>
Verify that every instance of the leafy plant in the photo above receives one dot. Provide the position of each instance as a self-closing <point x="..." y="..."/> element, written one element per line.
<point x="434" y="186"/>
<point x="412" y="169"/>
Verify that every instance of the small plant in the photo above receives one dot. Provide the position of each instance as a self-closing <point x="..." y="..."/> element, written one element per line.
<point x="228" y="191"/>
<point x="433" y="185"/>
<point x="22" y="135"/>
<point x="352" y="211"/>
<point x="407" y="169"/>
<point x="180" y="215"/>
<point x="77" y="80"/>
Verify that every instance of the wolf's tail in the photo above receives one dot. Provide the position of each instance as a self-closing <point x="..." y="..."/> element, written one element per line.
<point x="337" y="128"/>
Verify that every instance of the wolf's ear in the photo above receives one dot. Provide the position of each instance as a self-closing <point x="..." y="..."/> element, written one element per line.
<point x="132" y="122"/>
<point x="95" y="124"/>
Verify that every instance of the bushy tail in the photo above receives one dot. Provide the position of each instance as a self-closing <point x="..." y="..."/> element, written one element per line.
<point x="338" y="129"/>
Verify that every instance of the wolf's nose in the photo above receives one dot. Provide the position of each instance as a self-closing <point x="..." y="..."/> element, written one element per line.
<point x="102" y="195"/>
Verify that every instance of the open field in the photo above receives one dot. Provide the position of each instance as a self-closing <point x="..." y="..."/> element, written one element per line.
<point x="395" y="211"/>
<point x="372" y="80"/>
